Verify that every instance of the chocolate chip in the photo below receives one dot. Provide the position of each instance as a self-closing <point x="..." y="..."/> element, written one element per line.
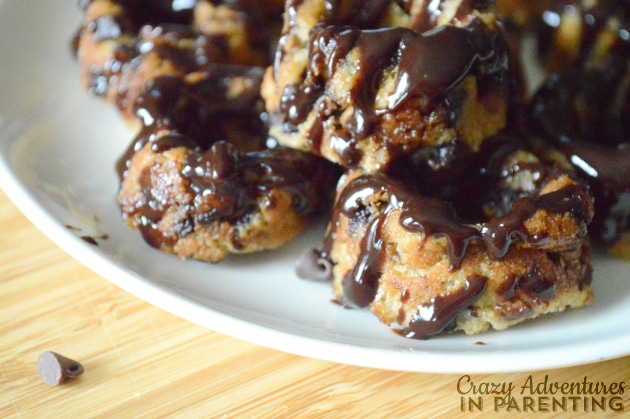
<point x="314" y="267"/>
<point x="54" y="369"/>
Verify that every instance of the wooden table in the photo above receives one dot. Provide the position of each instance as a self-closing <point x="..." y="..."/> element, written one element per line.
<point x="142" y="361"/>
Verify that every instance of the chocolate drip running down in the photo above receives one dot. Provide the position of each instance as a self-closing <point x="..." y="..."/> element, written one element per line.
<point x="200" y="113"/>
<point x="444" y="309"/>
<point x="436" y="218"/>
<point x="227" y="169"/>
<point x="429" y="65"/>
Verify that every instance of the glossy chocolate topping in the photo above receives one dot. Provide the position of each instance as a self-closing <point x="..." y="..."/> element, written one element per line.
<point x="584" y="114"/>
<point x="428" y="66"/>
<point x="438" y="316"/>
<point x="165" y="29"/>
<point x="532" y="284"/>
<point x="134" y="15"/>
<point x="227" y="185"/>
<point x="153" y="11"/>
<point x="200" y="113"/>
<point x="431" y="217"/>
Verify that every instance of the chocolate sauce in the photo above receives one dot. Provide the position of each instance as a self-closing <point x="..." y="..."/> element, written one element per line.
<point x="133" y="15"/>
<point x="428" y="66"/>
<point x="500" y="233"/>
<point x="434" y="218"/>
<point x="199" y="114"/>
<point x="166" y="30"/>
<point x="583" y="114"/>
<point x="227" y="180"/>
<point x="184" y="48"/>
<point x="226" y="185"/>
<point x="359" y="288"/>
<point x="443" y="310"/>
<point x="532" y="285"/>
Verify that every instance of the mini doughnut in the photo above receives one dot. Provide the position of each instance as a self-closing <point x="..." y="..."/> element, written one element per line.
<point x="442" y="220"/>
<point x="192" y="193"/>
<point x="584" y="114"/>
<point x="365" y="86"/>
<point x="123" y="43"/>
<point x="221" y="103"/>
<point x="582" y="109"/>
<point x="423" y="270"/>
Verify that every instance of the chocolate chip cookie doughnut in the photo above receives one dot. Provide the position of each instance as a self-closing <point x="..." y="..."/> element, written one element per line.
<point x="581" y="110"/>
<point x="422" y="269"/>
<point x="191" y="192"/>
<point x="365" y="83"/>
<point x="122" y="44"/>
<point x="584" y="114"/>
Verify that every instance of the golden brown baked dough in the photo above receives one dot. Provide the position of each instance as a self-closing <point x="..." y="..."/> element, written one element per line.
<point x="122" y="44"/>
<point x="192" y="193"/>
<point x="365" y="86"/>
<point x="582" y="108"/>
<point x="197" y="180"/>
<point x="383" y="88"/>
<point x="423" y="270"/>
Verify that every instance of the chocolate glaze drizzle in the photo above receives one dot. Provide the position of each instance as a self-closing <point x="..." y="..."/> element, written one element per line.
<point x="428" y="66"/>
<point x="141" y="12"/>
<point x="443" y="311"/>
<point x="165" y="28"/>
<point x="583" y="113"/>
<point x="227" y="179"/>
<point x="199" y="114"/>
<point x="227" y="185"/>
<point x="371" y="199"/>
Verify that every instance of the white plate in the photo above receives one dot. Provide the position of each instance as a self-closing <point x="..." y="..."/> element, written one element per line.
<point x="57" y="154"/>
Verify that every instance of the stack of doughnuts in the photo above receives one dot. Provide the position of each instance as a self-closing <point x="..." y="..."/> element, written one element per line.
<point x="581" y="109"/>
<point x="447" y="213"/>
<point x="365" y="87"/>
<point x="442" y="222"/>
<point x="198" y="179"/>
<point x="123" y="44"/>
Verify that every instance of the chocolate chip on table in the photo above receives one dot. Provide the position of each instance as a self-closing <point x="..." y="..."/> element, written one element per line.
<point x="54" y="369"/>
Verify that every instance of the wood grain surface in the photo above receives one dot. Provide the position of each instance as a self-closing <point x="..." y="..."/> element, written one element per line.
<point x="143" y="362"/>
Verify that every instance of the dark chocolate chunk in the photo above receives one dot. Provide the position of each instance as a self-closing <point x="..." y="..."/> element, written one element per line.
<point x="313" y="266"/>
<point x="55" y="369"/>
